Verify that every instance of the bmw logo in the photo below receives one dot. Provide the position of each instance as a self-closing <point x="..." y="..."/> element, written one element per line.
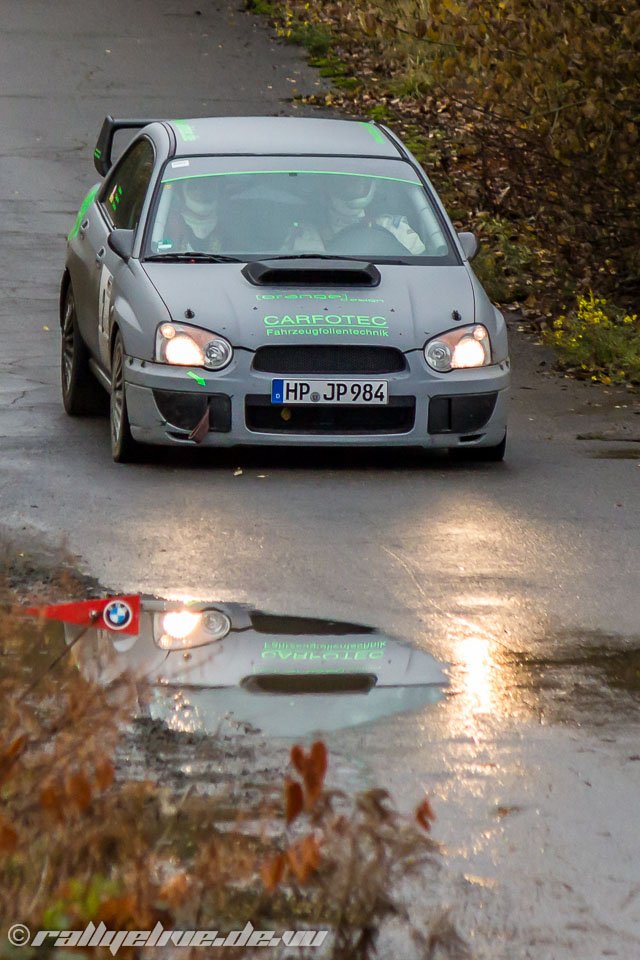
<point x="117" y="615"/>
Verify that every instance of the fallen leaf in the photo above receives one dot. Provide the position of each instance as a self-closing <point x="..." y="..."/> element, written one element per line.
<point x="272" y="872"/>
<point x="8" y="837"/>
<point x="104" y="773"/>
<point x="293" y="800"/>
<point x="425" y="814"/>
<point x="78" y="790"/>
<point x="10" y="755"/>
<point x="298" y="758"/>
<point x="298" y="862"/>
<point x="175" y="890"/>
<point x="504" y="811"/>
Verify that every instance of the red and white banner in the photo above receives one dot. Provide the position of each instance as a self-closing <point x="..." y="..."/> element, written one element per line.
<point x="120" y="614"/>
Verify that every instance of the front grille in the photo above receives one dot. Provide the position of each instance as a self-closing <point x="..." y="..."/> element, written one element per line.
<point x="329" y="359"/>
<point x="264" y="417"/>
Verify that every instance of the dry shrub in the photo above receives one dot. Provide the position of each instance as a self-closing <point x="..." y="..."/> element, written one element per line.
<point x="79" y="843"/>
<point x="524" y="111"/>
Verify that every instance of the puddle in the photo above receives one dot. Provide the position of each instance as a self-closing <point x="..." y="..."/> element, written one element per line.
<point x="592" y="684"/>
<point x="584" y="677"/>
<point x="285" y="676"/>
<point x="615" y="454"/>
<point x="222" y="667"/>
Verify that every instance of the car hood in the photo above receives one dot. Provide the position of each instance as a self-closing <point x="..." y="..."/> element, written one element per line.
<point x="410" y="304"/>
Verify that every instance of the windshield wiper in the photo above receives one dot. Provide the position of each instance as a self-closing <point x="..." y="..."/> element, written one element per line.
<point x="187" y="256"/>
<point x="377" y="258"/>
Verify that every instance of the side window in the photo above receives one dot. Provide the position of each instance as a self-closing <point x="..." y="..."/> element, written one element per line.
<point x="126" y="188"/>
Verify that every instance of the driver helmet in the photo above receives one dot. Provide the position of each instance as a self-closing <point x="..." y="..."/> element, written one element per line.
<point x="350" y="196"/>
<point x="200" y="211"/>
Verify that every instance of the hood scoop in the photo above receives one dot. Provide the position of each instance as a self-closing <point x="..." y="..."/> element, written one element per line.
<point x="313" y="271"/>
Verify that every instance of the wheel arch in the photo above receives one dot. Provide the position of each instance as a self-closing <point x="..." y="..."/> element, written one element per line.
<point x="115" y="330"/>
<point x="65" y="283"/>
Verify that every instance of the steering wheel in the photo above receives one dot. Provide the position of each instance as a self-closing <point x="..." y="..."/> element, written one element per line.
<point x="373" y="239"/>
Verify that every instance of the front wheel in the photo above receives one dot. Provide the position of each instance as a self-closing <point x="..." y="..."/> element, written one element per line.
<point x="124" y="449"/>
<point x="481" y="454"/>
<point x="82" y="395"/>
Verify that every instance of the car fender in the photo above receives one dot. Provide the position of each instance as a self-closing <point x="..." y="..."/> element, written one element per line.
<point x="136" y="311"/>
<point x="487" y="314"/>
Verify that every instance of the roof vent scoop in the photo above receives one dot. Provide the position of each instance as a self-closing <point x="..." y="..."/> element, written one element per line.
<point x="312" y="272"/>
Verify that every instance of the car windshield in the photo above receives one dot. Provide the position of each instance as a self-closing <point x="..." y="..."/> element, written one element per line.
<point x="254" y="208"/>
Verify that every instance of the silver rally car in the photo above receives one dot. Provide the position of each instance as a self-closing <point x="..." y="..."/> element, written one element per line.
<point x="277" y="280"/>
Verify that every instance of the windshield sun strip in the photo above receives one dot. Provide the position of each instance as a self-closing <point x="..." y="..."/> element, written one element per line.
<point x="323" y="173"/>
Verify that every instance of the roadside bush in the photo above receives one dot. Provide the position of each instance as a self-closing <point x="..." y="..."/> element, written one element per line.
<point x="526" y="110"/>
<point x="525" y="115"/>
<point x="599" y="340"/>
<point x="544" y="96"/>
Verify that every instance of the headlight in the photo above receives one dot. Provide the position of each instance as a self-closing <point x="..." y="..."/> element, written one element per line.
<point x="187" y="346"/>
<point x="459" y="349"/>
<point x="186" y="629"/>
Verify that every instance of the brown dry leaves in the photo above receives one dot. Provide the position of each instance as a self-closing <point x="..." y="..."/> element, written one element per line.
<point x="301" y="858"/>
<point x="525" y="111"/>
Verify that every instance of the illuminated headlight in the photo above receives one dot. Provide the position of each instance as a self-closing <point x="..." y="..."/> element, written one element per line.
<point x="186" y="346"/>
<point x="186" y="629"/>
<point x="459" y="349"/>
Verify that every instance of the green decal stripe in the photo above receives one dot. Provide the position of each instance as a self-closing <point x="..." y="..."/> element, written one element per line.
<point x="327" y="652"/>
<point x="325" y="325"/>
<point x="97" y="153"/>
<point x="84" y="206"/>
<point x="186" y="131"/>
<point x="377" y="135"/>
<point x="329" y="645"/>
<point x="323" y="173"/>
<point x="326" y="331"/>
<point x="342" y="297"/>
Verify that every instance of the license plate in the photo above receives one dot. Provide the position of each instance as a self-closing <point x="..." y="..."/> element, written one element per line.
<point x="367" y="392"/>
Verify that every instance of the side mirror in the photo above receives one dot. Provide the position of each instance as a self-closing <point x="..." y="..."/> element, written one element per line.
<point x="469" y="244"/>
<point x="121" y="242"/>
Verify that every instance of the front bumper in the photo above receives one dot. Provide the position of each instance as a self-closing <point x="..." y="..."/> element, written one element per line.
<point x="426" y="409"/>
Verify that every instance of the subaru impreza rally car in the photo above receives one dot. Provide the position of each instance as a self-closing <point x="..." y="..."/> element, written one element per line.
<point x="277" y="280"/>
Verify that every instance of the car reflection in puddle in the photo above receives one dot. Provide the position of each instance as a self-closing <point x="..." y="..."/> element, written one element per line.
<point x="287" y="676"/>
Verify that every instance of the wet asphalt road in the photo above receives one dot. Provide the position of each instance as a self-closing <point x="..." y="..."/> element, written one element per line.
<point x="538" y="556"/>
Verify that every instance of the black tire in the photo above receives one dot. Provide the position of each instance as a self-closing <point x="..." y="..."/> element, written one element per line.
<point x="481" y="454"/>
<point x="124" y="449"/>
<point x="82" y="395"/>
